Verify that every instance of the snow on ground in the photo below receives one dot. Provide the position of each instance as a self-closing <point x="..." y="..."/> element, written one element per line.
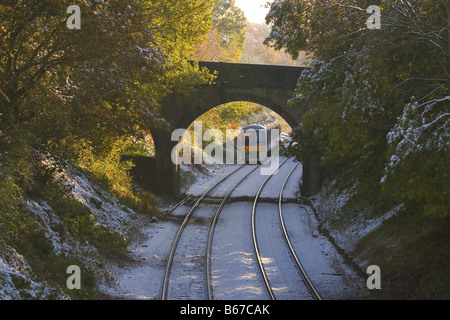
<point x="14" y="272"/>
<point x="213" y="174"/>
<point x="207" y="178"/>
<point x="143" y="279"/>
<point x="235" y="273"/>
<point x="49" y="222"/>
<point x="333" y="279"/>
<point x="103" y="206"/>
<point x="346" y="237"/>
<point x="105" y="210"/>
<point x="63" y="244"/>
<point x="361" y="227"/>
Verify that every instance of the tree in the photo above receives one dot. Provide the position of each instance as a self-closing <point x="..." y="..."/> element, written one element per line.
<point x="256" y="52"/>
<point x="377" y="99"/>
<point x="178" y="26"/>
<point x="51" y="72"/>
<point x="225" y="40"/>
<point x="65" y="91"/>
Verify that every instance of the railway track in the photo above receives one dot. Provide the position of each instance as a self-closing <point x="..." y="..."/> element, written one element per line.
<point x="286" y="238"/>
<point x="167" y="275"/>
<point x="288" y="241"/>
<point x="198" y="270"/>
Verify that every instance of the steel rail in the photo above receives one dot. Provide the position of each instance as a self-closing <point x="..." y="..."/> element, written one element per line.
<point x="211" y="234"/>
<point x="255" y="241"/>
<point x="288" y="241"/>
<point x="180" y="231"/>
<point x="179" y="204"/>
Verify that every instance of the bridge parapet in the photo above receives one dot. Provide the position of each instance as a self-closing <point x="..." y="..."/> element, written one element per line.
<point x="237" y="75"/>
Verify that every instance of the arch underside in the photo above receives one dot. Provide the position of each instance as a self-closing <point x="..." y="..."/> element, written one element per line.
<point x="182" y="109"/>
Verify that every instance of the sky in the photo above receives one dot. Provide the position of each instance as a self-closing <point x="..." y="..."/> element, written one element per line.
<point x="254" y="9"/>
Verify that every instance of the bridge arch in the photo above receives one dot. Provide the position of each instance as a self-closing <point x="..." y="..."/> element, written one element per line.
<point x="270" y="86"/>
<point x="184" y="109"/>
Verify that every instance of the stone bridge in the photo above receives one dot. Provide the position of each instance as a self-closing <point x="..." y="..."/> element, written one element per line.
<point x="268" y="85"/>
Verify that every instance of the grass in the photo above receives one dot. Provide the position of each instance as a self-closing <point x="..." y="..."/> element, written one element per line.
<point x="411" y="248"/>
<point x="30" y="242"/>
<point x="20" y="230"/>
<point x="413" y="253"/>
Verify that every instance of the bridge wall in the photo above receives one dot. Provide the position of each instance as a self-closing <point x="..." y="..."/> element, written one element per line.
<point x="270" y="86"/>
<point x="254" y="75"/>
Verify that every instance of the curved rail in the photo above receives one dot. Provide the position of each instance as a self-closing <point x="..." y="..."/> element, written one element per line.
<point x="180" y="231"/>
<point x="255" y="242"/>
<point x="211" y="234"/>
<point x="179" y="204"/>
<point x="208" y="276"/>
<point x="288" y="241"/>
